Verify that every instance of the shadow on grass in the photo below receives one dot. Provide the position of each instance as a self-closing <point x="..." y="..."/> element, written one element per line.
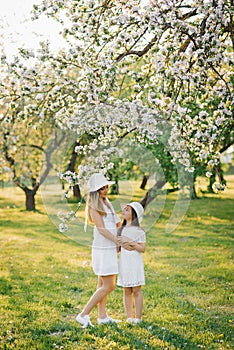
<point x="144" y="336"/>
<point x="135" y="336"/>
<point x="36" y="211"/>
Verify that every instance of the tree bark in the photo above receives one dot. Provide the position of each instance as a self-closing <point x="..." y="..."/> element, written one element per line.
<point x="211" y="182"/>
<point x="115" y="187"/>
<point x="144" y="182"/>
<point x="71" y="167"/>
<point x="76" y="191"/>
<point x="219" y="172"/>
<point x="193" y="191"/>
<point x="152" y="193"/>
<point x="30" y="200"/>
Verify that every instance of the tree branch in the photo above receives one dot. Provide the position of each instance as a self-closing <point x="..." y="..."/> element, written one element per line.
<point x="11" y="161"/>
<point x="139" y="53"/>
<point x="220" y="76"/>
<point x="48" y="158"/>
<point x="34" y="146"/>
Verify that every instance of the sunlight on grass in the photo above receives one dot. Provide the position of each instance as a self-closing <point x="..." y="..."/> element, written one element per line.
<point x="46" y="278"/>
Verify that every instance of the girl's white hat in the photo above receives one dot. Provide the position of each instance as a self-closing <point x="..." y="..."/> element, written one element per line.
<point x="97" y="181"/>
<point x="138" y="209"/>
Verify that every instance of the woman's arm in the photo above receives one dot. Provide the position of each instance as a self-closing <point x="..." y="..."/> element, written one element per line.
<point x="118" y="225"/>
<point x="98" y="221"/>
<point x="129" y="244"/>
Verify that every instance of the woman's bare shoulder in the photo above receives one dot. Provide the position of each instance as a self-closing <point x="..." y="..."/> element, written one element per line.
<point x="94" y="213"/>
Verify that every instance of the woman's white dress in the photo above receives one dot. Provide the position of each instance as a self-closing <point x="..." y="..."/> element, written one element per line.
<point x="131" y="265"/>
<point x="104" y="253"/>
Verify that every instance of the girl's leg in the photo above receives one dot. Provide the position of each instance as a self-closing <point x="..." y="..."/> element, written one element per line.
<point x="138" y="297"/>
<point x="102" y="303"/>
<point x="128" y="301"/>
<point x="107" y="286"/>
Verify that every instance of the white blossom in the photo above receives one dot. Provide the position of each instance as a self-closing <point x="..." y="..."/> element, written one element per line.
<point x="63" y="227"/>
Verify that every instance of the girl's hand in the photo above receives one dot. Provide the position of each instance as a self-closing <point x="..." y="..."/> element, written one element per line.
<point x="128" y="246"/>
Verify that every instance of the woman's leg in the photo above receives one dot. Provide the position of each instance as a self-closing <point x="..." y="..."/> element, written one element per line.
<point x="138" y="297"/>
<point x="102" y="303"/>
<point x="128" y="301"/>
<point x="107" y="285"/>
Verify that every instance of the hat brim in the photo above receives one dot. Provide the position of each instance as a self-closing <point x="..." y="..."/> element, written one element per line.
<point x="94" y="189"/>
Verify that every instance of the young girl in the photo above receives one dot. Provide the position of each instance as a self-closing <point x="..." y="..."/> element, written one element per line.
<point x="131" y="268"/>
<point x="104" y="253"/>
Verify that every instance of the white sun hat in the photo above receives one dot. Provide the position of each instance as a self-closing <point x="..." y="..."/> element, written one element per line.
<point x="97" y="181"/>
<point x="137" y="207"/>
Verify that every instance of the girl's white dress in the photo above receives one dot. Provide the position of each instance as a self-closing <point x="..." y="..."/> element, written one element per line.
<point x="131" y="265"/>
<point x="104" y="253"/>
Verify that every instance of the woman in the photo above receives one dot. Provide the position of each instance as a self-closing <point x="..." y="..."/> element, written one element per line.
<point x="104" y="253"/>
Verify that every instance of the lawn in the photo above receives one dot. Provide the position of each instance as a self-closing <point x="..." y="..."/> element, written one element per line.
<point x="46" y="278"/>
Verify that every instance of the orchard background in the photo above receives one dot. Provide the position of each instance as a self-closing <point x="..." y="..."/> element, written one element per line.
<point x="143" y="92"/>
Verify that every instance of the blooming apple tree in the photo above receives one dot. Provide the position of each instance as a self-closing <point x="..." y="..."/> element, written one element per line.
<point x="145" y="69"/>
<point x="146" y="63"/>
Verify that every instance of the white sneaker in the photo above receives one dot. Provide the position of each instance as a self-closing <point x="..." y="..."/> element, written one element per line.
<point x="136" y="320"/>
<point x="84" y="320"/>
<point x="130" y="320"/>
<point x="107" y="319"/>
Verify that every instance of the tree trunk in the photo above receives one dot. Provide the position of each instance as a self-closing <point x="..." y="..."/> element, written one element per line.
<point x="211" y="182"/>
<point x="115" y="188"/>
<point x="219" y="173"/>
<point x="193" y="191"/>
<point x="152" y="193"/>
<point x="144" y="182"/>
<point x="76" y="192"/>
<point x="71" y="167"/>
<point x="30" y="200"/>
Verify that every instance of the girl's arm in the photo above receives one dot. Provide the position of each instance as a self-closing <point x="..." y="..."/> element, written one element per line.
<point x="98" y="221"/>
<point x="140" y="247"/>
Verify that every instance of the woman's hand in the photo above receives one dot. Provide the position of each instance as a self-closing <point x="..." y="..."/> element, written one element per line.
<point x="129" y="244"/>
<point x="126" y="242"/>
<point x="123" y="239"/>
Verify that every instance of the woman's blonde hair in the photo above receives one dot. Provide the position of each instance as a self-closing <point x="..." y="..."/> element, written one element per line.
<point x="95" y="203"/>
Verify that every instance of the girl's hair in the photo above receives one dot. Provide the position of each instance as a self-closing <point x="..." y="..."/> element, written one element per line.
<point x="95" y="203"/>
<point x="135" y="222"/>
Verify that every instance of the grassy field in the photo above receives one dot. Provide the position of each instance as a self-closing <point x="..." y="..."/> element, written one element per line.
<point x="46" y="278"/>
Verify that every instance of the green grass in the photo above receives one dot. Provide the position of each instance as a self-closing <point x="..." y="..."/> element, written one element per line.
<point x="46" y="278"/>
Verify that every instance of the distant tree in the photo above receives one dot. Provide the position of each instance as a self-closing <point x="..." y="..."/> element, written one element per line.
<point x="28" y="156"/>
<point x="26" y="143"/>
